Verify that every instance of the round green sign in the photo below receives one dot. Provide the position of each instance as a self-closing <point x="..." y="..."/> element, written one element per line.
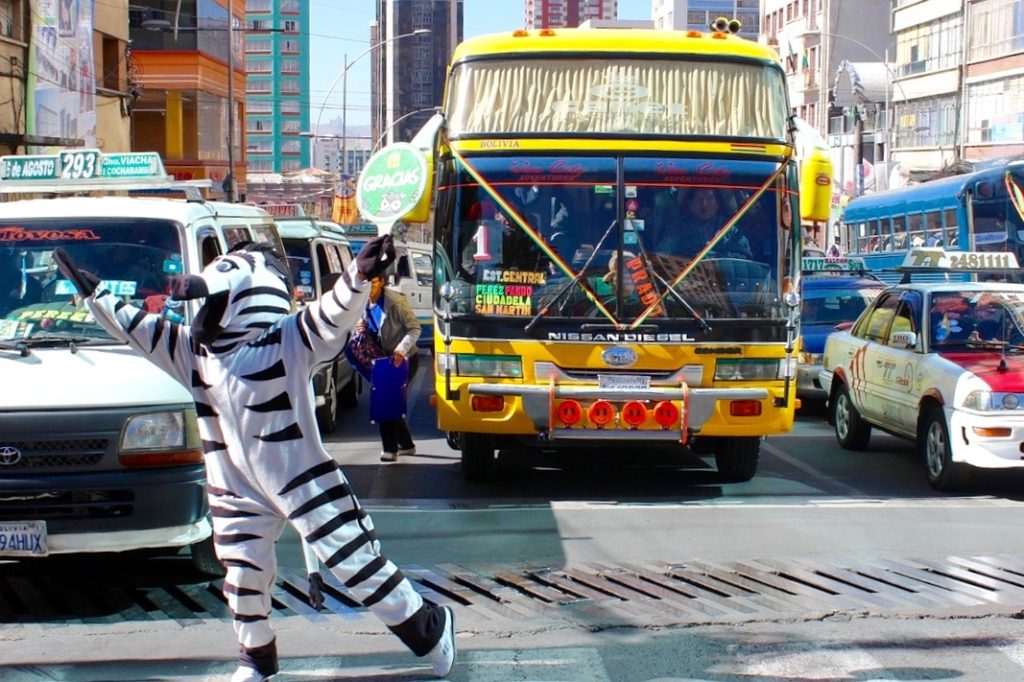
<point x="391" y="183"/>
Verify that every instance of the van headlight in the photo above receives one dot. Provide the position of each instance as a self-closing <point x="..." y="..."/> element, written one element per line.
<point x="154" y="431"/>
<point x="493" y="366"/>
<point x="751" y="369"/>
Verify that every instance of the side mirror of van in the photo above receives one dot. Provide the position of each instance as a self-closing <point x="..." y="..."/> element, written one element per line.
<point x="403" y="267"/>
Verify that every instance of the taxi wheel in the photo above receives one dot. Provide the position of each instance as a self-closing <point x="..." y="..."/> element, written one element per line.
<point x="943" y="473"/>
<point x="852" y="432"/>
<point x="478" y="461"/>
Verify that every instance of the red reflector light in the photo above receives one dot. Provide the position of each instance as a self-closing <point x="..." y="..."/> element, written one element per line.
<point x="601" y="413"/>
<point x="147" y="460"/>
<point x="666" y="413"/>
<point x="488" y="403"/>
<point x="569" y="412"/>
<point x="745" y="408"/>
<point x="634" y="413"/>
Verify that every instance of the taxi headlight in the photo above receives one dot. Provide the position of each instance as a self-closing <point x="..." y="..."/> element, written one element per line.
<point x="154" y="431"/>
<point x="470" y="365"/>
<point x="749" y="369"/>
<point x="984" y="401"/>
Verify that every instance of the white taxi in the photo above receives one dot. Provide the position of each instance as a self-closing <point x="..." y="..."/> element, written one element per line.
<point x="939" y="363"/>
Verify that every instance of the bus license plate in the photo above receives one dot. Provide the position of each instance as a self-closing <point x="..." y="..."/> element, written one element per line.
<point x="623" y="382"/>
<point x="23" y="538"/>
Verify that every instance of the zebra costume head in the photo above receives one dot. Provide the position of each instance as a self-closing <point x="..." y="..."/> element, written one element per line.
<point x="246" y="292"/>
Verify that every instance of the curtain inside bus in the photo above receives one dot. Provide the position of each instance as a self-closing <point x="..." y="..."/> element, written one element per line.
<point x="547" y="232"/>
<point x="557" y="94"/>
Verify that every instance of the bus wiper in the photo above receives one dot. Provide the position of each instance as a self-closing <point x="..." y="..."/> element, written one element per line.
<point x="568" y="285"/>
<point x="704" y="326"/>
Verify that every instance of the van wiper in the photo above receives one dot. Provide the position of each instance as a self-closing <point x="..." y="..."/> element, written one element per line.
<point x="568" y="285"/>
<point x="50" y="340"/>
<point x="18" y="345"/>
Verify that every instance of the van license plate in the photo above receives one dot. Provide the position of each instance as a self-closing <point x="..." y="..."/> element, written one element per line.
<point x="623" y="382"/>
<point x="23" y="538"/>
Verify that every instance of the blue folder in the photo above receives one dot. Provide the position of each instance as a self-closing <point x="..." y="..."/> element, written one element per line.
<point x="388" y="389"/>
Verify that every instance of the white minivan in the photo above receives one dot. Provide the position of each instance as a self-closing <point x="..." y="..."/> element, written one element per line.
<point x="99" y="449"/>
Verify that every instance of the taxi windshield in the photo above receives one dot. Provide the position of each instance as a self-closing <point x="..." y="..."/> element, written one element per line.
<point x="133" y="257"/>
<point x="976" y="319"/>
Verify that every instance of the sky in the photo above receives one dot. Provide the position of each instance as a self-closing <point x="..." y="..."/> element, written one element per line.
<point x="341" y="27"/>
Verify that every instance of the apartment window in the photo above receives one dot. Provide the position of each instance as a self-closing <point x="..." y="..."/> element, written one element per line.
<point x="260" y="125"/>
<point x="257" y="5"/>
<point x="995" y="111"/>
<point x="289" y="85"/>
<point x="289" y="66"/>
<point x="289" y="107"/>
<point x="257" y="44"/>
<point x="261" y="166"/>
<point x="997" y="28"/>
<point x="290" y="46"/>
<point x="927" y="123"/>
<point x="291" y="147"/>
<point x="291" y="126"/>
<point x="259" y="66"/>
<point x="258" y="24"/>
<point x="290" y="5"/>
<point x="254" y="85"/>
<point x="258" y="107"/>
<point x="930" y="47"/>
<point x="291" y="26"/>
<point x="110" y="68"/>
<point x="291" y="165"/>
<point x="9" y="10"/>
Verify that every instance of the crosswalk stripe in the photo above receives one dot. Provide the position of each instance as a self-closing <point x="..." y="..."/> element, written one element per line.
<point x="572" y="664"/>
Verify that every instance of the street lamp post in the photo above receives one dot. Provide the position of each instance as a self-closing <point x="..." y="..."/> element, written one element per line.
<point x="343" y="79"/>
<point x="398" y="120"/>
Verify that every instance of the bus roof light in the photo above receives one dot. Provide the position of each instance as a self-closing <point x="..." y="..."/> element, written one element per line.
<point x="694" y="34"/>
<point x="547" y="32"/>
<point x="520" y="33"/>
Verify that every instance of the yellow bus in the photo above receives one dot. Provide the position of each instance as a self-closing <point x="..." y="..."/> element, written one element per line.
<point x="616" y="264"/>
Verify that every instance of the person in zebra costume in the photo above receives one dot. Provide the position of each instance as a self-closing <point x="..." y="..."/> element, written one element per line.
<point x="247" y="360"/>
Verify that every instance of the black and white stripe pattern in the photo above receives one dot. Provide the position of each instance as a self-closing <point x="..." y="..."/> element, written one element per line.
<point x="265" y="463"/>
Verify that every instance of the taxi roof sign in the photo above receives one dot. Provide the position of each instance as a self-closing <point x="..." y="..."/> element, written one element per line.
<point x="940" y="260"/>
<point x="812" y="264"/>
<point x="78" y="170"/>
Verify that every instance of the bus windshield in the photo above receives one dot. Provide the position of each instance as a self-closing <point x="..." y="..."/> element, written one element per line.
<point x="544" y="235"/>
<point x="560" y="95"/>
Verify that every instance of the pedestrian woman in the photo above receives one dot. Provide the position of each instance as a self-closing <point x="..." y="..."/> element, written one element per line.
<point x="390" y="316"/>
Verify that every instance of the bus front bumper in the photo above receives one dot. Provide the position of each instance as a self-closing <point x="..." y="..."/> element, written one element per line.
<point x="535" y="410"/>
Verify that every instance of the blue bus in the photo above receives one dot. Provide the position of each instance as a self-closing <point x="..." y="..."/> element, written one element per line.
<point x="971" y="212"/>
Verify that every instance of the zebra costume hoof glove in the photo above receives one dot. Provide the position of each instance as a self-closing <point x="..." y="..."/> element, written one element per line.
<point x="442" y="656"/>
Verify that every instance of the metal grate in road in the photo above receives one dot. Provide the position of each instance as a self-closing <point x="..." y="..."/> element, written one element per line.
<point x="593" y="595"/>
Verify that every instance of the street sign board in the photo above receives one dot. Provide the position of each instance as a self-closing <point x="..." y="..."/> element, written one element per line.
<point x="140" y="165"/>
<point x="391" y="183"/>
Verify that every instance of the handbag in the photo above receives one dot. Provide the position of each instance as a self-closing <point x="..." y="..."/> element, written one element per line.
<point x="363" y="348"/>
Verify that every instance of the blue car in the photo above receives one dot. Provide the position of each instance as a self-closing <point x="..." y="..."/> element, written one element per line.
<point x="827" y="300"/>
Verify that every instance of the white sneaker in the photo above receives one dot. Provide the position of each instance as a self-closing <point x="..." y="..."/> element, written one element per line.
<point x="386" y="456"/>
<point x="247" y="674"/>
<point x="442" y="656"/>
<point x="407" y="451"/>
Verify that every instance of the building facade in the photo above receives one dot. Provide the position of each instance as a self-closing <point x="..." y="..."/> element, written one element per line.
<point x="183" y="111"/>
<point x="66" y="88"/>
<point x="567" y="13"/>
<point x="277" y="49"/>
<point x="407" y="81"/>
<point x="993" y="92"/>
<point x="697" y="15"/>
<point x="328" y="154"/>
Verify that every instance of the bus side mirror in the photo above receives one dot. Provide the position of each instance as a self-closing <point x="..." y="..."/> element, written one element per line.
<point x="816" y="186"/>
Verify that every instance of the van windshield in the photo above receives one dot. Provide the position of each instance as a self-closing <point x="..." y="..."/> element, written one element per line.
<point x="134" y="257"/>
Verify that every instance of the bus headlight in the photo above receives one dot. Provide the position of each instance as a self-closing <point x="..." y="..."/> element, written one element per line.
<point x="493" y="366"/>
<point x="751" y="369"/>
